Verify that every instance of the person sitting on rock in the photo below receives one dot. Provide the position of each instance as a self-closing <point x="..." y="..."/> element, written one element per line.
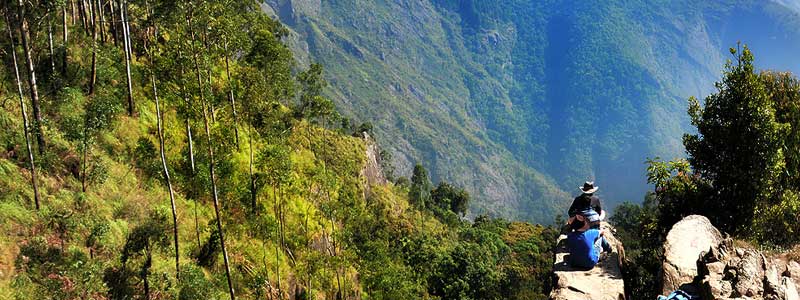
<point x="587" y="205"/>
<point x="585" y="246"/>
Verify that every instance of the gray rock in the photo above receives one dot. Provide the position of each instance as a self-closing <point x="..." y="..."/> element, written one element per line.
<point x="790" y="289"/>
<point x="750" y="281"/>
<point x="685" y="242"/>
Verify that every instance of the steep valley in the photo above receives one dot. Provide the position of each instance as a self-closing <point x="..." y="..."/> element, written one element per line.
<point x="521" y="101"/>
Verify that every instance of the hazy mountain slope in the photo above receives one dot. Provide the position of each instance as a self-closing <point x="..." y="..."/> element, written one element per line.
<point x="520" y="101"/>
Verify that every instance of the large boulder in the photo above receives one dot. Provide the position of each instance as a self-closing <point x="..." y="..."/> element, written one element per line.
<point x="698" y="259"/>
<point x="685" y="242"/>
<point x="603" y="282"/>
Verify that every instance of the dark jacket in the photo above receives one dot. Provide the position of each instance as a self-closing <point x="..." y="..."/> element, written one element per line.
<point x="586" y="200"/>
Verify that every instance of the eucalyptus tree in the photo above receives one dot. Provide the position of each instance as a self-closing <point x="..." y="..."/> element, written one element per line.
<point x="159" y="123"/>
<point x="31" y="159"/>
<point x="65" y="39"/>
<point x="93" y="76"/>
<point x="123" y="11"/>
<point x="210" y="146"/>
<point x="27" y="47"/>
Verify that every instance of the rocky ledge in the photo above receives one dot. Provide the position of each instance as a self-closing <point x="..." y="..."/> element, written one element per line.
<point x="603" y="282"/>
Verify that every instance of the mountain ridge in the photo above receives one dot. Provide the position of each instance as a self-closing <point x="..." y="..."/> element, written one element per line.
<point x="540" y="96"/>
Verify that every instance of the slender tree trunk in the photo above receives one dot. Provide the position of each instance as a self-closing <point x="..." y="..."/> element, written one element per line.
<point x="126" y="39"/>
<point x="93" y="78"/>
<point x="114" y="30"/>
<point x="32" y="162"/>
<point x="188" y="107"/>
<point x="159" y="122"/>
<point x="65" y="36"/>
<point x="277" y="242"/>
<point x="101" y="12"/>
<point x="83" y="168"/>
<point x="188" y="104"/>
<point x="72" y="10"/>
<point x="37" y="112"/>
<point x="84" y="16"/>
<point x="146" y="270"/>
<point x="231" y="97"/>
<point x="250" y="165"/>
<point x="211" y="165"/>
<point x="50" y="42"/>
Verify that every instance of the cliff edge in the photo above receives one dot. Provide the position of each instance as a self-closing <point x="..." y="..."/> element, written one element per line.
<point x="603" y="282"/>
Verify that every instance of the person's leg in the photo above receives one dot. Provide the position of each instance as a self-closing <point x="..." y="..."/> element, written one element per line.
<point x="604" y="243"/>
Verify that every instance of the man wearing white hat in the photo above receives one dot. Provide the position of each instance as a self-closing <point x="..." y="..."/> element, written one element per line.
<point x="586" y="208"/>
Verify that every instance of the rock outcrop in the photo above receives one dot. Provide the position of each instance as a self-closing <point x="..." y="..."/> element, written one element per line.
<point x="603" y="282"/>
<point x="699" y="259"/>
<point x="685" y="241"/>
<point x="373" y="171"/>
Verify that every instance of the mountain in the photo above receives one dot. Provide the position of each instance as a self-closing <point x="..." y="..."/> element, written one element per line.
<point x="520" y="101"/>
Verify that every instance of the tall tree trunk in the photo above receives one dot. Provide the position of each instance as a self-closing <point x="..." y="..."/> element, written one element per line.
<point x="32" y="162"/>
<point x="83" y="164"/>
<point x="275" y="207"/>
<point x="114" y="25"/>
<point x="159" y="123"/>
<point x="50" y="41"/>
<point x="65" y="36"/>
<point x="72" y="10"/>
<point x="37" y="112"/>
<point x="84" y="16"/>
<point x="93" y="79"/>
<point x="146" y="270"/>
<point x="101" y="12"/>
<point x="211" y="165"/>
<point x="250" y="165"/>
<point x="188" y="104"/>
<point x="231" y="97"/>
<point x="126" y="39"/>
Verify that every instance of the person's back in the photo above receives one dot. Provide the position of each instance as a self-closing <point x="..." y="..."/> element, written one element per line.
<point x="588" y="207"/>
<point x="585" y="248"/>
<point x="581" y="248"/>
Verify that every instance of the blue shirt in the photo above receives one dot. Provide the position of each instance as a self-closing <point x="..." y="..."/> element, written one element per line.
<point x="582" y="250"/>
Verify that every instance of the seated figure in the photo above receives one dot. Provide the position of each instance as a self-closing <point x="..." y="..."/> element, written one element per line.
<point x="585" y="246"/>
<point x="588" y="206"/>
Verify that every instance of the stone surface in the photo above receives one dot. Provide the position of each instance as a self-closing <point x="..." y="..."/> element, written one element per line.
<point x="685" y="241"/>
<point x="603" y="282"/>
<point x="750" y="281"/>
<point x="373" y="171"/>
<point x="790" y="289"/>
<point x="732" y="270"/>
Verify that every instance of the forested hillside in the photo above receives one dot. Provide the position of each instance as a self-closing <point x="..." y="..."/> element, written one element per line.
<point x="174" y="150"/>
<point x="521" y="101"/>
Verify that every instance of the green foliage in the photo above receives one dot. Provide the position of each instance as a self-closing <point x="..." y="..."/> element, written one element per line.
<point x="448" y="197"/>
<point x="193" y="284"/>
<point x="316" y="230"/>
<point x="638" y="229"/>
<point x="420" y="191"/>
<point x="741" y="176"/>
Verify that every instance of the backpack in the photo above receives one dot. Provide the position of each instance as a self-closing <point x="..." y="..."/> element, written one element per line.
<point x="679" y="295"/>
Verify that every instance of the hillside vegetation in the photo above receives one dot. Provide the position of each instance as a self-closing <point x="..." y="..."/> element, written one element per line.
<point x="521" y="101"/>
<point x="173" y="150"/>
